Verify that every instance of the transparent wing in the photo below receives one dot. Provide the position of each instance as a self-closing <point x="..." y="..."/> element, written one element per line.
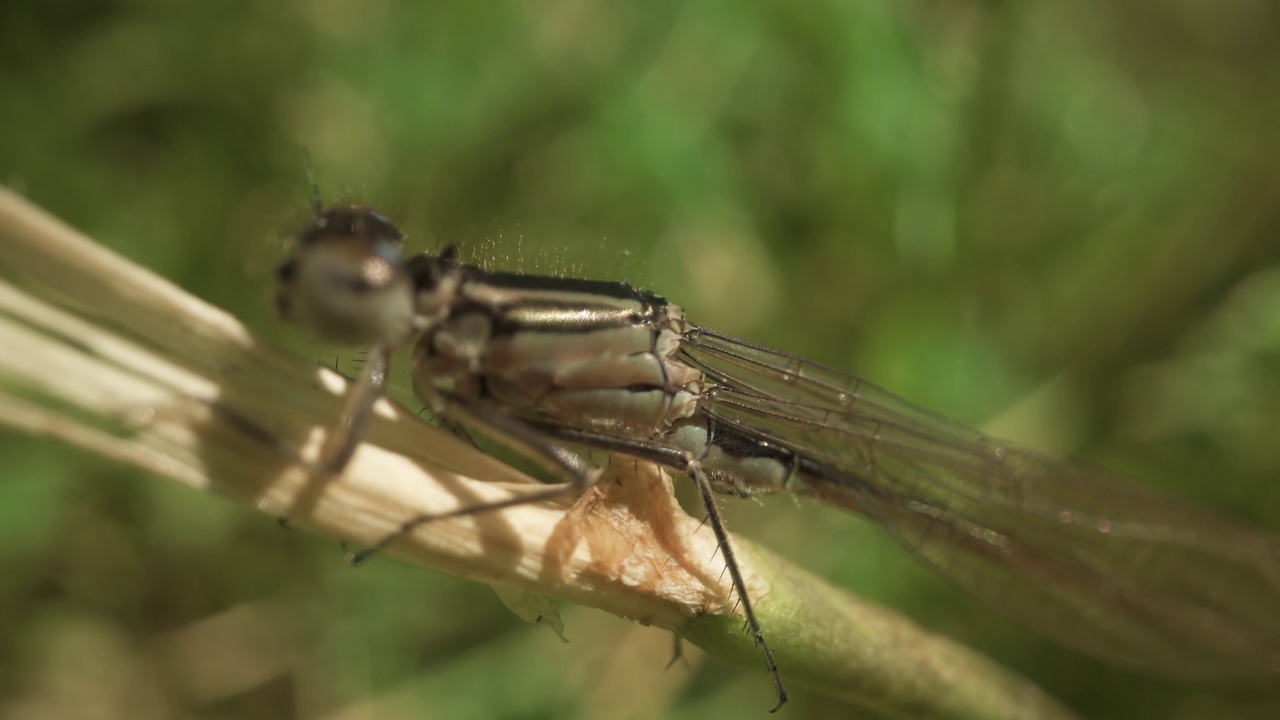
<point x="1077" y="553"/>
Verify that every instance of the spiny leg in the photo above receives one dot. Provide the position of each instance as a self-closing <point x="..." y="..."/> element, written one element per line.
<point x="722" y="539"/>
<point x="677" y="650"/>
<point x="340" y="445"/>
<point x="357" y="411"/>
<point x="683" y="462"/>
<point x="361" y="395"/>
<point x="536" y="441"/>
<point x="577" y="473"/>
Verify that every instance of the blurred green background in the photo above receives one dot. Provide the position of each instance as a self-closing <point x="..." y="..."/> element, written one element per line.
<point x="1056" y="221"/>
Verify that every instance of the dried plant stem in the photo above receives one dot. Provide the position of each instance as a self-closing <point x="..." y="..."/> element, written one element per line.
<point x="106" y="356"/>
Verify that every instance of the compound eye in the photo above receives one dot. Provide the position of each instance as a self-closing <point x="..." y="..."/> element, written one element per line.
<point x="355" y="222"/>
<point x="347" y="281"/>
<point x="381" y="229"/>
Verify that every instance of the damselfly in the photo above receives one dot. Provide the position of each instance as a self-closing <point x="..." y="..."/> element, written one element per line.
<point x="1078" y="553"/>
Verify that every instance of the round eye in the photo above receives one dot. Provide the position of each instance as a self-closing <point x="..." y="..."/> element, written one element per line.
<point x="347" y="281"/>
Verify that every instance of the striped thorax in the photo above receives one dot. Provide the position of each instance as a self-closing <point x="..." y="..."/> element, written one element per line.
<point x="593" y="355"/>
